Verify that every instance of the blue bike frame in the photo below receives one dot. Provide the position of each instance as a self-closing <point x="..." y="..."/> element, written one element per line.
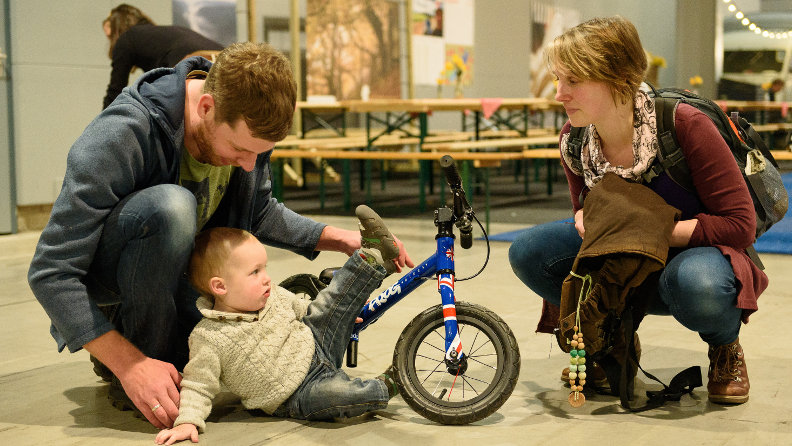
<point x="440" y="265"/>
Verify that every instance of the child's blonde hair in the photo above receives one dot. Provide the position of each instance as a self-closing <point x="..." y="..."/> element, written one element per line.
<point x="210" y="255"/>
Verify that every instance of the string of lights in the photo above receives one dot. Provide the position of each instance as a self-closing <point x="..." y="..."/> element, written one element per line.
<point x="748" y="23"/>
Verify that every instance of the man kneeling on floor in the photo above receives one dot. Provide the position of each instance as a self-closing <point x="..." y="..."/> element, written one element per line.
<point x="277" y="352"/>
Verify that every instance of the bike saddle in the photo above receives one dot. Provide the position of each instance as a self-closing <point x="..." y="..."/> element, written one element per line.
<point x="327" y="275"/>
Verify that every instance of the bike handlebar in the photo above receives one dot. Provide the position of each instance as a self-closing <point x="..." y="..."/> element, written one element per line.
<point x="462" y="209"/>
<point x="451" y="172"/>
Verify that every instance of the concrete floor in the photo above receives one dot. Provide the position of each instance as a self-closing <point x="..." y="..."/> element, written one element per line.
<point x="52" y="398"/>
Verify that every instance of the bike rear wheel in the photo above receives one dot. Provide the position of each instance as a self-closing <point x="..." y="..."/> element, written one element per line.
<point x="458" y="394"/>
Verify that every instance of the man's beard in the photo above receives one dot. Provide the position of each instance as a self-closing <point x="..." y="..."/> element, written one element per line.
<point x="203" y="145"/>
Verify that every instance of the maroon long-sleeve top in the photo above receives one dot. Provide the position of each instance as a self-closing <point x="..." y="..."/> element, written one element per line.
<point x="721" y="204"/>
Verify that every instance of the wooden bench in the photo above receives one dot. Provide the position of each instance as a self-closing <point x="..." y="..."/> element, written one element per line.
<point x="782" y="155"/>
<point x="353" y="143"/>
<point x="501" y="143"/>
<point x="772" y="127"/>
<point x="466" y="158"/>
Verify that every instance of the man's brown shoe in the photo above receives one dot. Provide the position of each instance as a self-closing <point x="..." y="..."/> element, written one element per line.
<point x="728" y="375"/>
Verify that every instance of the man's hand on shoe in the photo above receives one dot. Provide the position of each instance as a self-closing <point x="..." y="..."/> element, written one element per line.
<point x="342" y="240"/>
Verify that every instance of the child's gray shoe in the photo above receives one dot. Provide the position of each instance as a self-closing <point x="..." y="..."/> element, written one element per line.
<point x="388" y="377"/>
<point x="376" y="241"/>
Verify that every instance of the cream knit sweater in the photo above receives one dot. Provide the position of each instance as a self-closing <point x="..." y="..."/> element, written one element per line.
<point x="261" y="357"/>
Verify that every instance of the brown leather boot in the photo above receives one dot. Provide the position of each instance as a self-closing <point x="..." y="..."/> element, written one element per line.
<point x="728" y="375"/>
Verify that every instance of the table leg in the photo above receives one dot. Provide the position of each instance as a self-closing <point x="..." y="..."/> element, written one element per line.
<point x="549" y="176"/>
<point x="487" y="199"/>
<point x="423" y="175"/>
<point x="321" y="185"/>
<point x="347" y="185"/>
<point x="467" y="175"/>
<point x="276" y="176"/>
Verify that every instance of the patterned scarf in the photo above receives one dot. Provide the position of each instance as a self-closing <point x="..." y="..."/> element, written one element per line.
<point x="593" y="165"/>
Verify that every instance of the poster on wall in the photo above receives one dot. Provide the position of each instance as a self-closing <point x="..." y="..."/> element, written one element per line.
<point x="215" y="19"/>
<point x="427" y="18"/>
<point x="442" y="54"/>
<point x="352" y="46"/>
<point x="548" y="22"/>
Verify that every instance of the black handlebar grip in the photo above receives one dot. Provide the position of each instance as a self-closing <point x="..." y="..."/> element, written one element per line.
<point x="352" y="353"/>
<point x="451" y="172"/>
<point x="466" y="239"/>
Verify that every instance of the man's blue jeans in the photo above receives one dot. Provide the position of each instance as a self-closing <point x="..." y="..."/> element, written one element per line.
<point x="327" y="392"/>
<point x="141" y="263"/>
<point x="697" y="286"/>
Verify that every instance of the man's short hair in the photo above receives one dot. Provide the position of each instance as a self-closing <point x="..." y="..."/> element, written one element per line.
<point x="253" y="82"/>
<point x="212" y="250"/>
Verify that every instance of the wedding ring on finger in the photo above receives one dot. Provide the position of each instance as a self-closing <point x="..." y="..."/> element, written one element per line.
<point x="156" y="407"/>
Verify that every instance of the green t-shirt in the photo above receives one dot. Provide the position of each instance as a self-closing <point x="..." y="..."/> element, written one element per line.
<point x="208" y="183"/>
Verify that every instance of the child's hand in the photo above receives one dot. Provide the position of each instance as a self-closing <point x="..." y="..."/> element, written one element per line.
<point x="178" y="433"/>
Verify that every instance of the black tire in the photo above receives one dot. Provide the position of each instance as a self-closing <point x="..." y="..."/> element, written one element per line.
<point x="306" y="286"/>
<point x="480" y="388"/>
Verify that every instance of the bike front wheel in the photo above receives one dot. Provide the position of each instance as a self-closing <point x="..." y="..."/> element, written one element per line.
<point x="457" y="393"/>
<point x="305" y="286"/>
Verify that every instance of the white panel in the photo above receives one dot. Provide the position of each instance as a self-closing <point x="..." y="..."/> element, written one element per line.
<point x="53" y="106"/>
<point x="60" y="72"/>
<point x="58" y="32"/>
<point x="7" y="192"/>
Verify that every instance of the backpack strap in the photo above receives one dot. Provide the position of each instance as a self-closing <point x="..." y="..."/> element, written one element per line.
<point x="574" y="148"/>
<point x="575" y="142"/>
<point x="619" y="375"/>
<point x="670" y="158"/>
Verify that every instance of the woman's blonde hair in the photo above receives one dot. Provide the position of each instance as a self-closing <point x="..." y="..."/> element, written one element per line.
<point x="605" y="50"/>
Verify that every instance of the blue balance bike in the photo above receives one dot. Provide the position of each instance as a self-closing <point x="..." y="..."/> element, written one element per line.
<point x="456" y="362"/>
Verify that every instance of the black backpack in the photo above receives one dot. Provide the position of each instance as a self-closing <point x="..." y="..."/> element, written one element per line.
<point x="764" y="182"/>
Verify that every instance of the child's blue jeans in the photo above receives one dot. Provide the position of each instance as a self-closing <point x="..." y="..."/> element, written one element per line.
<point x="697" y="286"/>
<point x="327" y="392"/>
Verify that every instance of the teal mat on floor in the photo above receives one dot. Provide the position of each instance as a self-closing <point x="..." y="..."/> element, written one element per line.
<point x="778" y="240"/>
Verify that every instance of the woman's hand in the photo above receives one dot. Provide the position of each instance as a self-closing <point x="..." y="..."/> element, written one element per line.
<point x="680" y="236"/>
<point x="579" y="223"/>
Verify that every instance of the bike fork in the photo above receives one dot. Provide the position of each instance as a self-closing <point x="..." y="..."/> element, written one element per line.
<point x="445" y="286"/>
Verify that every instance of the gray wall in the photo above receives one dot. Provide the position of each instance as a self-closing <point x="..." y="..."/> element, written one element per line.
<point x="60" y="72"/>
<point x="61" y="69"/>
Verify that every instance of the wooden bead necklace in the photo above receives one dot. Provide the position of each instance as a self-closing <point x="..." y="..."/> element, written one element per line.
<point x="577" y="359"/>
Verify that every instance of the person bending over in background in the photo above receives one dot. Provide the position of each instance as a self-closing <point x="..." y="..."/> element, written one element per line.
<point x="135" y="41"/>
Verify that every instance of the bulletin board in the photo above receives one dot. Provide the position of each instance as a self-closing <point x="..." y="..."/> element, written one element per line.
<point x="438" y="50"/>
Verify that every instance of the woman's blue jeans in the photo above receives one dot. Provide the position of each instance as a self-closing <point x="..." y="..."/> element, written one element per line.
<point x="141" y="263"/>
<point x="327" y="392"/>
<point x="697" y="286"/>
